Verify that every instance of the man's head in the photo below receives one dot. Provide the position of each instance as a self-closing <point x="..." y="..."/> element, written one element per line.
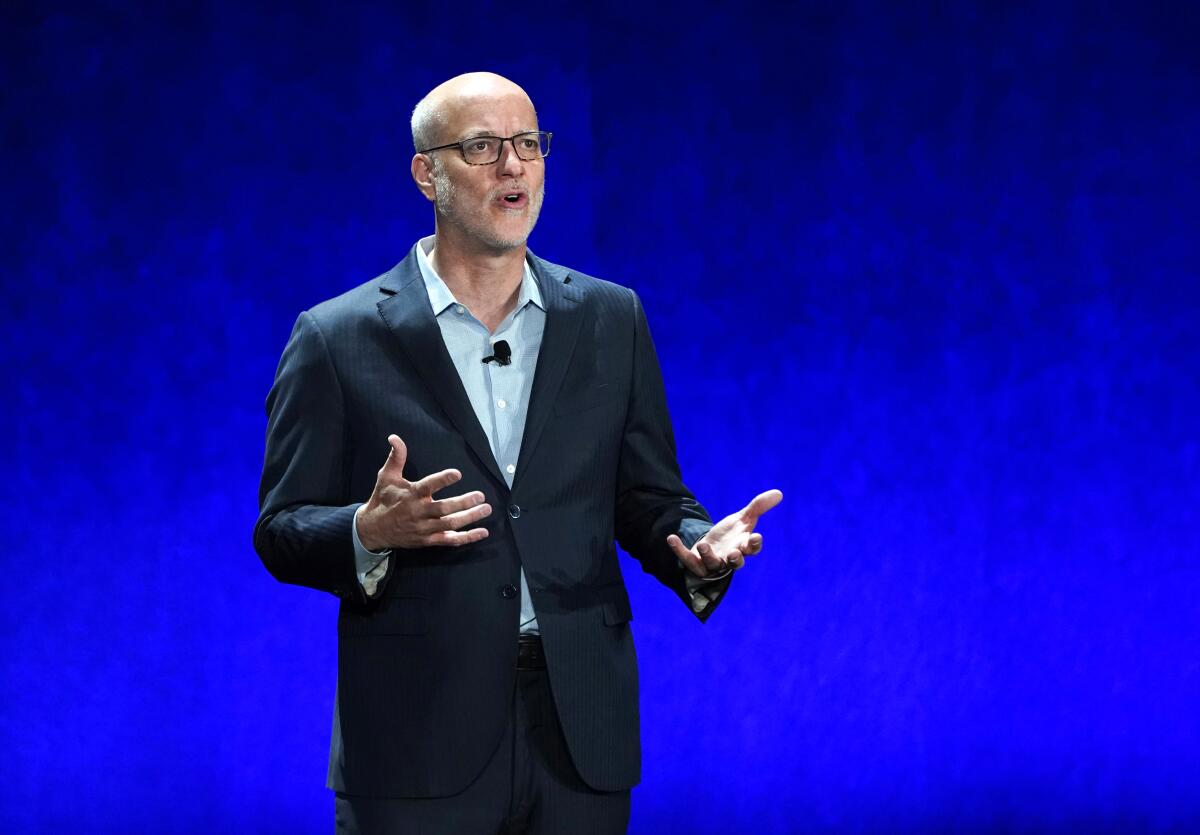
<point x="492" y="207"/>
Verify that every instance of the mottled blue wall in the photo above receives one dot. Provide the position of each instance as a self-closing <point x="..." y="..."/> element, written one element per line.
<point x="932" y="273"/>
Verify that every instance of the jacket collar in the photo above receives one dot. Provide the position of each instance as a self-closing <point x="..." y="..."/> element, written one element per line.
<point x="406" y="310"/>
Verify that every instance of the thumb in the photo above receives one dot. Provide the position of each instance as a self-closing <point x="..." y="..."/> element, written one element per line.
<point x="761" y="503"/>
<point x="396" y="458"/>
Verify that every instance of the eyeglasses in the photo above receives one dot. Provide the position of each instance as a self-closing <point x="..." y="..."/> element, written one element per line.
<point x="485" y="150"/>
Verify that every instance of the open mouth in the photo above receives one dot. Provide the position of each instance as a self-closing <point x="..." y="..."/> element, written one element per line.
<point x="514" y="199"/>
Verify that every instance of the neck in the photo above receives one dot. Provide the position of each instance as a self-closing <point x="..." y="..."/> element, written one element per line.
<point x="487" y="281"/>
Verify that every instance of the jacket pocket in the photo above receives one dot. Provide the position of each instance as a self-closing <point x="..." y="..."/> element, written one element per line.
<point x="395" y="616"/>
<point x="614" y="601"/>
<point x="588" y="398"/>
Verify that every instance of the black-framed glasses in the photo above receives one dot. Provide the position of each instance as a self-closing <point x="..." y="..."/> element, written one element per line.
<point x="484" y="150"/>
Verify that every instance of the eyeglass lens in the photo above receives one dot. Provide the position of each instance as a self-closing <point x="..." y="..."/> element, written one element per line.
<point x="482" y="150"/>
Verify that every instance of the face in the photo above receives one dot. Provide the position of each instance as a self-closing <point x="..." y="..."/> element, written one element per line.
<point x="492" y="206"/>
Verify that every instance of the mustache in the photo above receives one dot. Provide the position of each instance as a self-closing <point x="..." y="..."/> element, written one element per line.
<point x="500" y="191"/>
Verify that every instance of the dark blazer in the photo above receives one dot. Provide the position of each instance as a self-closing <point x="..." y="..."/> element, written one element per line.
<point x="426" y="669"/>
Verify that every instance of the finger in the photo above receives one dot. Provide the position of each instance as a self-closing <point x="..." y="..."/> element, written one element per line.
<point x="689" y="559"/>
<point x="753" y="545"/>
<point x="676" y="546"/>
<point x="455" y="539"/>
<point x="430" y="484"/>
<point x="444" y="507"/>
<point x="454" y="521"/>
<point x="712" y="562"/>
<point x="760" y="504"/>
<point x="397" y="456"/>
<point x="735" y="559"/>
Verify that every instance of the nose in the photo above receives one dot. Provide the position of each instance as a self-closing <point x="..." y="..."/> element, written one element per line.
<point x="510" y="163"/>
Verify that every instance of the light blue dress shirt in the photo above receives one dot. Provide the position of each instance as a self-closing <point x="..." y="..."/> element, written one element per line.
<point x="498" y="394"/>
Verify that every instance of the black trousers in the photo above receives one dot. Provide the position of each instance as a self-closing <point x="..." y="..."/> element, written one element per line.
<point x="529" y="786"/>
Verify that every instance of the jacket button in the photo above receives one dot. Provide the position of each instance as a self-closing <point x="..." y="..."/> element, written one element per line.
<point x="508" y="591"/>
<point x="514" y="510"/>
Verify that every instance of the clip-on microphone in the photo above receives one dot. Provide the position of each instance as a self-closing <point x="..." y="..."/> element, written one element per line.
<point x="502" y="355"/>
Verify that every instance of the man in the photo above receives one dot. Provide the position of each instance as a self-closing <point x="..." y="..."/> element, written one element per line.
<point x="486" y="672"/>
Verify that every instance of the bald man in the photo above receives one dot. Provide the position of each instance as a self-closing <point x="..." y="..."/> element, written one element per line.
<point x="452" y="448"/>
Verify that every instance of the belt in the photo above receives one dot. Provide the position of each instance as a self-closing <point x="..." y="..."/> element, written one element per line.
<point x="530" y="655"/>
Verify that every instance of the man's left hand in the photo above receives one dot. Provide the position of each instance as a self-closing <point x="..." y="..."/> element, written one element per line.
<point x="729" y="542"/>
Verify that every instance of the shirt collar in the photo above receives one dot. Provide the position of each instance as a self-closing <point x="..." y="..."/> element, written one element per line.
<point x="440" y="296"/>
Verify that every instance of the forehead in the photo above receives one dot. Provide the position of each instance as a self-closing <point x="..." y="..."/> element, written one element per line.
<point x="487" y="112"/>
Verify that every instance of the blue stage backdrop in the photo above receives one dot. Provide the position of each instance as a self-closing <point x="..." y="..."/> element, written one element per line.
<point x="931" y="273"/>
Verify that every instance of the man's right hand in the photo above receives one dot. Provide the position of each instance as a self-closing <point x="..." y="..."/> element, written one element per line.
<point x="404" y="514"/>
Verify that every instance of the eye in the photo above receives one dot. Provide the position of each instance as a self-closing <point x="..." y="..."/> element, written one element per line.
<point x="478" y="146"/>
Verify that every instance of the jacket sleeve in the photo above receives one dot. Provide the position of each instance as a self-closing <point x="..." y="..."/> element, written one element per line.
<point x="652" y="501"/>
<point x="304" y="532"/>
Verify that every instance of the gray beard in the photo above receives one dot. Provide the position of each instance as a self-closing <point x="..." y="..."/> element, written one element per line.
<point x="473" y="221"/>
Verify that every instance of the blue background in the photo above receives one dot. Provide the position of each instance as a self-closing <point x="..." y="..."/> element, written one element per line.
<point x="930" y="271"/>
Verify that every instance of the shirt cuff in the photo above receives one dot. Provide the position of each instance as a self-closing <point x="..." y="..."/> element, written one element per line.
<point x="704" y="591"/>
<point x="371" y="566"/>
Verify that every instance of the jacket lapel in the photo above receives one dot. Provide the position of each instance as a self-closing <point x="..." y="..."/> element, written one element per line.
<point x="407" y="313"/>
<point x="563" y="318"/>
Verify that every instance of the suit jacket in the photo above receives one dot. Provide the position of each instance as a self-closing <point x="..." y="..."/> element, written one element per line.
<point x="426" y="668"/>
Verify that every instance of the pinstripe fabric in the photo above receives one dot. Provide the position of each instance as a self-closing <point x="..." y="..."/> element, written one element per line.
<point x="425" y="670"/>
<point x="499" y="395"/>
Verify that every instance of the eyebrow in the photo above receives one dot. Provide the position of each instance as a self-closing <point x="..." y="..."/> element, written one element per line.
<point x="475" y="133"/>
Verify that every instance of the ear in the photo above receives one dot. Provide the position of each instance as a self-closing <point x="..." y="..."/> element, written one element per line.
<point x="422" y="174"/>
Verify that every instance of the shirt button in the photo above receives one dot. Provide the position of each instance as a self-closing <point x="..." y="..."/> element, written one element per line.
<point x="511" y="468"/>
<point x="459" y="309"/>
<point x="501" y="403"/>
<point x="508" y="591"/>
<point x="514" y="510"/>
